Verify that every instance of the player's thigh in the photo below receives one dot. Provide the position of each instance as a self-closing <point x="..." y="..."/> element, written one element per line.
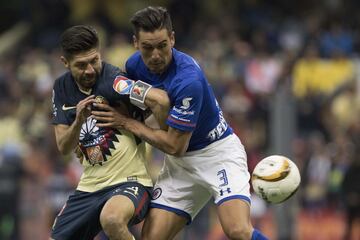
<point x="235" y="215"/>
<point x="79" y="218"/>
<point x="162" y="225"/>
<point x="118" y="209"/>
<point x="128" y="204"/>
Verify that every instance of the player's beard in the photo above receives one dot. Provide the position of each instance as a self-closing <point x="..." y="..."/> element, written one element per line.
<point x="157" y="67"/>
<point x="88" y="80"/>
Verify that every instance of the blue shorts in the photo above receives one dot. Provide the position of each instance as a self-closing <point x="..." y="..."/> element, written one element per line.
<point x="80" y="217"/>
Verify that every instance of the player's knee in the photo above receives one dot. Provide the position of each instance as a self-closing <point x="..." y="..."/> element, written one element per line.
<point x="112" y="223"/>
<point x="239" y="232"/>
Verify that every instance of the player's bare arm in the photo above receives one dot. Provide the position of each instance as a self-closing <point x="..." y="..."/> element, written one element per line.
<point x="173" y="141"/>
<point x="67" y="137"/>
<point x="144" y="96"/>
<point x="159" y="103"/>
<point x="170" y="141"/>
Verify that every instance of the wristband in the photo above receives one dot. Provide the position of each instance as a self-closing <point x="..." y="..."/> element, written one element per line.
<point x="138" y="93"/>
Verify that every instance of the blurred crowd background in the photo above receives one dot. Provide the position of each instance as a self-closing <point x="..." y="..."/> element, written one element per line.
<point x="286" y="74"/>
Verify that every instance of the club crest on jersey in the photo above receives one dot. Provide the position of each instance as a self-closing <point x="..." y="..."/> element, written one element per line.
<point x="186" y="103"/>
<point x="156" y="193"/>
<point x="122" y="85"/>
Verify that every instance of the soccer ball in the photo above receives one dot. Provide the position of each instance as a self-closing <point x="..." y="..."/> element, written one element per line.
<point x="275" y="178"/>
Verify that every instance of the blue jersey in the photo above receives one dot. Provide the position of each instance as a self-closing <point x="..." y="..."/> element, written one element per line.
<point x="193" y="105"/>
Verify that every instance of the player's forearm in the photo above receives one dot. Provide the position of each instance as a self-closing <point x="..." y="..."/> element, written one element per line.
<point x="156" y="137"/>
<point x="69" y="140"/>
<point x="159" y="103"/>
<point x="157" y="99"/>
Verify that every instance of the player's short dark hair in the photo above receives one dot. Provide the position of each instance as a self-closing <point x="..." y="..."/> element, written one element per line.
<point x="150" y="19"/>
<point x="78" y="39"/>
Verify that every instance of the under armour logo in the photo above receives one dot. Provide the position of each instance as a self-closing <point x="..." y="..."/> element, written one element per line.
<point x="222" y="191"/>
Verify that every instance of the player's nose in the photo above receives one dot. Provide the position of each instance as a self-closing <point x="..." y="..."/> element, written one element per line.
<point x="89" y="69"/>
<point x="155" y="54"/>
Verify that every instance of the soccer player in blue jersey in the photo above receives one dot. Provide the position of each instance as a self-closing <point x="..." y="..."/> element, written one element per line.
<point x="204" y="158"/>
<point x="114" y="189"/>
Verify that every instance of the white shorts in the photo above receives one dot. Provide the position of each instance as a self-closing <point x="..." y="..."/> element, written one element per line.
<point x="185" y="184"/>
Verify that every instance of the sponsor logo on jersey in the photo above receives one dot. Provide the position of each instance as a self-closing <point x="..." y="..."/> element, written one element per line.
<point x="182" y="109"/>
<point x="66" y="108"/>
<point x="122" y="85"/>
<point x="88" y="128"/>
<point x="220" y="128"/>
<point x="179" y="118"/>
<point x="183" y="112"/>
<point x="95" y="142"/>
<point x="186" y="103"/>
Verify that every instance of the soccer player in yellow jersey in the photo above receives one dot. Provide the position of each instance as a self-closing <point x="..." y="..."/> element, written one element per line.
<point x="114" y="189"/>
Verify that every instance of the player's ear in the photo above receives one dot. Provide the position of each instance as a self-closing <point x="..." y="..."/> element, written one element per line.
<point x="172" y="39"/>
<point x="65" y="62"/>
<point x="136" y="43"/>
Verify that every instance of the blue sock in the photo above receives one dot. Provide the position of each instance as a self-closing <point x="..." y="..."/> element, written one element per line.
<point x="257" y="235"/>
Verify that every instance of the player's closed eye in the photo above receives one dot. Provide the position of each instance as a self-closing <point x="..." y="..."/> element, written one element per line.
<point x="148" y="48"/>
<point x="82" y="65"/>
<point x="161" y="46"/>
<point x="94" y="61"/>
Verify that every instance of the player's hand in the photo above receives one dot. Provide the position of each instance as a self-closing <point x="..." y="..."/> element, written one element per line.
<point x="108" y="116"/>
<point x="83" y="109"/>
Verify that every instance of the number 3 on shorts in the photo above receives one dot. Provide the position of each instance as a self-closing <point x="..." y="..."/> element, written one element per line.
<point x="222" y="177"/>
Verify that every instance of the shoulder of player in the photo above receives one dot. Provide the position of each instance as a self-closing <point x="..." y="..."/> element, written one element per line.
<point x="111" y="70"/>
<point x="63" y="77"/>
<point x="186" y="64"/>
<point x="110" y="73"/>
<point x="191" y="81"/>
<point x="134" y="57"/>
<point x="59" y="82"/>
<point x="188" y="78"/>
<point x="133" y="62"/>
<point x="187" y="73"/>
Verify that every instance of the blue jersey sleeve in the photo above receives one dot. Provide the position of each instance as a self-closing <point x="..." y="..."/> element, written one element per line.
<point x="187" y="101"/>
